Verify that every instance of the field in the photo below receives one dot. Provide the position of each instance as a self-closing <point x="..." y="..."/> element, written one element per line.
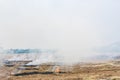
<point x="85" y="71"/>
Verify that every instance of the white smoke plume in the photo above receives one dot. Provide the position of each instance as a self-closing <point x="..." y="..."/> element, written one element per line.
<point x="74" y="27"/>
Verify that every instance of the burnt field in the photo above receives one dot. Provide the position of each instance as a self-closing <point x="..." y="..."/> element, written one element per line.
<point x="87" y="71"/>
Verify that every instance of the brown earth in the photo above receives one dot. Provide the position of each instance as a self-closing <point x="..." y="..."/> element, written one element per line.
<point x="79" y="72"/>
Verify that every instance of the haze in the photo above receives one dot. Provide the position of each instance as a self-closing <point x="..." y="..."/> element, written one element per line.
<point x="73" y="27"/>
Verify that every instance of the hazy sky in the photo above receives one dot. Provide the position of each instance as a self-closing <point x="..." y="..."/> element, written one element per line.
<point x="73" y="26"/>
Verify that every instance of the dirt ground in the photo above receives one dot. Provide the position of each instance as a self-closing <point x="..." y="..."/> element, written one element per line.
<point x="79" y="72"/>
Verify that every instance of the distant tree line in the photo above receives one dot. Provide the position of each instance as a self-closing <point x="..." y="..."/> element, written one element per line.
<point x="29" y="51"/>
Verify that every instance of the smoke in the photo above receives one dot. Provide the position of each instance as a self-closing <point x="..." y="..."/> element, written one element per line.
<point x="64" y="56"/>
<point x="36" y="58"/>
<point x="73" y="27"/>
<point x="39" y="58"/>
<point x="3" y="56"/>
<point x="43" y="58"/>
